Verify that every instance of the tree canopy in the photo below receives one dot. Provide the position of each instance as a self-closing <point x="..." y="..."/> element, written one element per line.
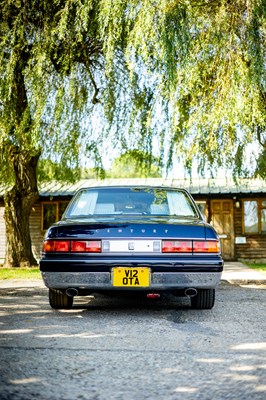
<point x="177" y="77"/>
<point x="209" y="60"/>
<point x="134" y="164"/>
<point x="191" y="74"/>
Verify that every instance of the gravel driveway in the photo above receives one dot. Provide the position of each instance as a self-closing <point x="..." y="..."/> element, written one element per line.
<point x="108" y="348"/>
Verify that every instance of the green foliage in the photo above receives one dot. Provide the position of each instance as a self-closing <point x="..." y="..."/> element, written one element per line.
<point x="134" y="164"/>
<point x="261" y="164"/>
<point x="186" y="75"/>
<point x="49" y="77"/>
<point x="211" y="74"/>
<point x="169" y="77"/>
<point x="259" y="267"/>
<point x="49" y="170"/>
<point x="19" y="273"/>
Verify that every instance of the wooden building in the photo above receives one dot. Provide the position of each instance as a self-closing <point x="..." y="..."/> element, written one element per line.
<point x="237" y="210"/>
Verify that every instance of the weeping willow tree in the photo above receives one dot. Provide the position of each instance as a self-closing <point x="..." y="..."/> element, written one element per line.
<point x="209" y="58"/>
<point x="186" y="75"/>
<point x="53" y="71"/>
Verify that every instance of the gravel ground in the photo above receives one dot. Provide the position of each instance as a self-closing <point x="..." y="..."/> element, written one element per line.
<point x="109" y="348"/>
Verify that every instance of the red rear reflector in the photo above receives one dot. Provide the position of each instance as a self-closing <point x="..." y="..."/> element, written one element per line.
<point x="177" y="246"/>
<point x="153" y="295"/>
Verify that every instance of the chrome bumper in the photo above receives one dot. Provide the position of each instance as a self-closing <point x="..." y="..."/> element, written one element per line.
<point x="94" y="281"/>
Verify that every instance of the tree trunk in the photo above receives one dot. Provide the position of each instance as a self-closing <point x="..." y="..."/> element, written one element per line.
<point x="18" y="204"/>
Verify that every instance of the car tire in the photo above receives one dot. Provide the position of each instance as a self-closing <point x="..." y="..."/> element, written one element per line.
<point x="204" y="300"/>
<point x="59" y="300"/>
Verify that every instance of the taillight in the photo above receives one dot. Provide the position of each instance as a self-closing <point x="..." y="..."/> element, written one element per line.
<point x="75" y="246"/>
<point x="89" y="246"/>
<point x="56" y="246"/>
<point x="62" y="246"/>
<point x="48" y="246"/>
<point x="78" y="246"/>
<point x="189" y="246"/>
<point x="206" y="246"/>
<point x="177" y="246"/>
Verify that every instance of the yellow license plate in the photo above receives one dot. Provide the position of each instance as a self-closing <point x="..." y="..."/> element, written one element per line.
<point x="131" y="277"/>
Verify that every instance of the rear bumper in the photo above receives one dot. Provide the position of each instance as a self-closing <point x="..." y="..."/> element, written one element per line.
<point x="100" y="281"/>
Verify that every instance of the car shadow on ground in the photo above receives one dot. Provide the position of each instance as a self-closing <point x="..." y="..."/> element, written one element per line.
<point x="133" y="302"/>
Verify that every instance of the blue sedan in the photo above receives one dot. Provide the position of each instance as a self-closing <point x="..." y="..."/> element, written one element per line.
<point x="141" y="239"/>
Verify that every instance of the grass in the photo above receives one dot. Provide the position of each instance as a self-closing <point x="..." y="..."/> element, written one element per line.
<point x="19" y="273"/>
<point x="34" y="273"/>
<point x="259" y="267"/>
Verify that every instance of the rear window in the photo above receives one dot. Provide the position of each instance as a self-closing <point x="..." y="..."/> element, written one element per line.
<point x="139" y="201"/>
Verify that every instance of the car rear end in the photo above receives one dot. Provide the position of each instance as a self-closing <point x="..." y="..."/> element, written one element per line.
<point x="132" y="251"/>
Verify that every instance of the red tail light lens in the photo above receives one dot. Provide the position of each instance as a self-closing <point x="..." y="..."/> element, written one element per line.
<point x="177" y="246"/>
<point x="187" y="246"/>
<point x="89" y="246"/>
<point x="78" y="247"/>
<point x="206" y="246"/>
<point x="56" y="245"/>
<point x="61" y="246"/>
<point x="48" y="246"/>
<point x="94" y="246"/>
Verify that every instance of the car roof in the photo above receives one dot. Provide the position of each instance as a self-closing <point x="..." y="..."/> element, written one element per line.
<point x="133" y="187"/>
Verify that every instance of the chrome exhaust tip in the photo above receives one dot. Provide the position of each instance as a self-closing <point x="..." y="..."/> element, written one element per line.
<point x="191" y="292"/>
<point x="71" y="292"/>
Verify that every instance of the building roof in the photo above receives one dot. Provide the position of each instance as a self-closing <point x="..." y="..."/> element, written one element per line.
<point x="194" y="186"/>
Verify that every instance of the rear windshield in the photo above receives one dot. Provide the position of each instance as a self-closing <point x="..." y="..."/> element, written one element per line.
<point x="138" y="201"/>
